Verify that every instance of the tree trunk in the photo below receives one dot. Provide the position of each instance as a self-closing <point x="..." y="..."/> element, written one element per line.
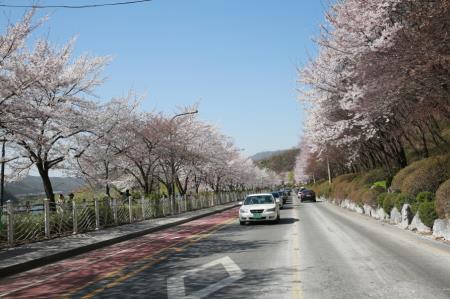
<point x="182" y="186"/>
<point x="172" y="180"/>
<point x="401" y="156"/>
<point x="197" y="188"/>
<point x="152" y="182"/>
<point x="43" y="172"/>
<point x="146" y="186"/>
<point x="424" y="141"/>
<point x="425" y="146"/>
<point x="197" y="182"/>
<point x="106" y="164"/>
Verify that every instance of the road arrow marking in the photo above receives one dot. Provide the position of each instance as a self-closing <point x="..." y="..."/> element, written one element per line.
<point x="176" y="288"/>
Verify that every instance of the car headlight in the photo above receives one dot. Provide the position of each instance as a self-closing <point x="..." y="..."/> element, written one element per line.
<point x="243" y="210"/>
<point x="270" y="210"/>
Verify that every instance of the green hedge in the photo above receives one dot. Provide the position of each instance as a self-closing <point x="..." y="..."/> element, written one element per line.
<point x="342" y="186"/>
<point x="371" y="177"/>
<point x="421" y="198"/>
<point x="425" y="197"/>
<point x="370" y="196"/>
<point x="427" y="213"/>
<point x="381" y="184"/>
<point x="424" y="175"/>
<point x="403" y="198"/>
<point x="359" y="187"/>
<point x="389" y="202"/>
<point x="400" y="177"/>
<point x="322" y="189"/>
<point x="380" y="199"/>
<point x="415" y="184"/>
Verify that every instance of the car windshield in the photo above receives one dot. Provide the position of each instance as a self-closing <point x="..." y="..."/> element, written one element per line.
<point x="258" y="200"/>
<point x="275" y="194"/>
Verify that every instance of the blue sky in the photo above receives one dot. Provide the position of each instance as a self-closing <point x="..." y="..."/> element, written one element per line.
<point x="238" y="58"/>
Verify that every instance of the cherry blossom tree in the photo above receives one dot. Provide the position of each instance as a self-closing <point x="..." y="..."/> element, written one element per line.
<point x="48" y="112"/>
<point x="377" y="84"/>
<point x="55" y="108"/>
<point x="99" y="161"/>
<point x="134" y="148"/>
<point x="13" y="79"/>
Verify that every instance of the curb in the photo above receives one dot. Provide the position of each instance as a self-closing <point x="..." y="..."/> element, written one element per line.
<point x="42" y="261"/>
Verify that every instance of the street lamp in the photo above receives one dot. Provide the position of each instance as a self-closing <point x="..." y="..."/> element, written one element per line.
<point x="172" y="166"/>
<point x="185" y="113"/>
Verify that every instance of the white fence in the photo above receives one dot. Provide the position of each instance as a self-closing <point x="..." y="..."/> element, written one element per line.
<point x="25" y="223"/>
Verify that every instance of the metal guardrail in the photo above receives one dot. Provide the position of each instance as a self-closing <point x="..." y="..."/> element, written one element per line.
<point x="25" y="223"/>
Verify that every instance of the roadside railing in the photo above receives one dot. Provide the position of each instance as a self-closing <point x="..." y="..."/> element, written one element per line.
<point x="30" y="223"/>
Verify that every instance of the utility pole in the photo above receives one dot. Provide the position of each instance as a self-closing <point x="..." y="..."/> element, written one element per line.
<point x="329" y="172"/>
<point x="2" y="174"/>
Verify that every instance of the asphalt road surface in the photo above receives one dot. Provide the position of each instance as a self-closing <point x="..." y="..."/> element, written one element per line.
<point x="316" y="251"/>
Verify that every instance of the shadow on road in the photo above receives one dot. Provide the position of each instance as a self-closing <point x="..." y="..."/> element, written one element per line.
<point x="288" y="208"/>
<point x="282" y="221"/>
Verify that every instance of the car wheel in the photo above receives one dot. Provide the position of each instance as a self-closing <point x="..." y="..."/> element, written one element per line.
<point x="241" y="222"/>
<point x="278" y="219"/>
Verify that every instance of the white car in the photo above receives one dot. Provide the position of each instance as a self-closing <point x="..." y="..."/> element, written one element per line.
<point x="278" y="198"/>
<point x="259" y="207"/>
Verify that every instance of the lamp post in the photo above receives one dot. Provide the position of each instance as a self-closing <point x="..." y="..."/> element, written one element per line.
<point x="172" y="162"/>
<point x="185" y="113"/>
<point x="2" y="173"/>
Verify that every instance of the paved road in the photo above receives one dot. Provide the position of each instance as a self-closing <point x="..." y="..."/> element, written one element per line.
<point x="347" y="255"/>
<point x="317" y="251"/>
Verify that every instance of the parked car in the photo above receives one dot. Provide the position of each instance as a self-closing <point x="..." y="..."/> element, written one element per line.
<point x="277" y="195"/>
<point x="307" y="195"/>
<point x="259" y="207"/>
<point x="299" y="192"/>
<point x="284" y="195"/>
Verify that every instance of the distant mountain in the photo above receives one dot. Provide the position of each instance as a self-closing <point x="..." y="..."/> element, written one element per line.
<point x="9" y="196"/>
<point x="32" y="185"/>
<point x="265" y="155"/>
<point x="280" y="161"/>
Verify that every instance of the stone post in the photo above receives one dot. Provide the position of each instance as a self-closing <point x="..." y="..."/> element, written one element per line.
<point x="97" y="214"/>
<point x="10" y="211"/>
<point x="130" y="210"/>
<point x="47" y="218"/>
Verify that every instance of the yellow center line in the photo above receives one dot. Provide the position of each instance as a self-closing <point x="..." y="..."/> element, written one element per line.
<point x="191" y="240"/>
<point x="297" y="292"/>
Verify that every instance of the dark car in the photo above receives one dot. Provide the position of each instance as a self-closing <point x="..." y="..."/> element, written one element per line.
<point x="307" y="195"/>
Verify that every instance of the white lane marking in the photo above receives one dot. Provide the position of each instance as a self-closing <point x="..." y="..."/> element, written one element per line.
<point x="176" y="288"/>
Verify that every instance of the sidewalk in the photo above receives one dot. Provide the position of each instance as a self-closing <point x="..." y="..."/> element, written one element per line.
<point x="26" y="257"/>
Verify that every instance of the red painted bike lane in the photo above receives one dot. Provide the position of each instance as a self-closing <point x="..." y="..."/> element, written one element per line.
<point x="68" y="276"/>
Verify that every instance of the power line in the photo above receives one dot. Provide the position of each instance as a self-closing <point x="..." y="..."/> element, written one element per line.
<point x="76" y="6"/>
